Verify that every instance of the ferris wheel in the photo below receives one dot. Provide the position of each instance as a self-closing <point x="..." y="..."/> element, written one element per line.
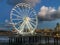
<point x="24" y="18"/>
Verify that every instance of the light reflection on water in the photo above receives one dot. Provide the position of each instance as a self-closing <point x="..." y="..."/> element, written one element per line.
<point x="4" y="39"/>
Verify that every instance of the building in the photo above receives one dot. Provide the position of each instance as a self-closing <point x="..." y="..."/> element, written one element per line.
<point x="6" y="29"/>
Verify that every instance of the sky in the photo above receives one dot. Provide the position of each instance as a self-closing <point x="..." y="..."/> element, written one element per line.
<point x="48" y="11"/>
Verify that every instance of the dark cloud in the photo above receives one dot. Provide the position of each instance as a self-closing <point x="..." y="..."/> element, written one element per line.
<point x="50" y="17"/>
<point x="56" y="15"/>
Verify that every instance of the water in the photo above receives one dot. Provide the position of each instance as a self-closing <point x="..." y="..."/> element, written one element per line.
<point x="4" y="40"/>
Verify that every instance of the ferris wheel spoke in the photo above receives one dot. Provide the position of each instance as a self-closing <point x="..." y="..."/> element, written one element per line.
<point x="22" y="27"/>
<point x="17" y="11"/>
<point x="16" y="19"/>
<point x="30" y="13"/>
<point x="27" y="10"/>
<point x="23" y="10"/>
<point x="33" y="24"/>
<point x="20" y="10"/>
<point x="33" y="15"/>
<point x="18" y="16"/>
<point x="32" y="21"/>
<point x="18" y="23"/>
<point x="15" y="15"/>
<point x="33" y="18"/>
<point x="30" y="25"/>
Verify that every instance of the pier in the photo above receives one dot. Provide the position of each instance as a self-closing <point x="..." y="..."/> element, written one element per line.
<point x="42" y="37"/>
<point x="34" y="40"/>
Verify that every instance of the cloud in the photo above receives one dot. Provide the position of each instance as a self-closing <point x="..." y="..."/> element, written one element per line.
<point x="46" y="10"/>
<point x="31" y="2"/>
<point x="48" y="13"/>
<point x="43" y="11"/>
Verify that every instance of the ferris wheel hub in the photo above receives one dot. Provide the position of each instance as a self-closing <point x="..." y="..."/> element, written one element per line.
<point x="26" y="19"/>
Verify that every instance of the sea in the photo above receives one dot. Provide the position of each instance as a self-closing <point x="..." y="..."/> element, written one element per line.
<point x="4" y="40"/>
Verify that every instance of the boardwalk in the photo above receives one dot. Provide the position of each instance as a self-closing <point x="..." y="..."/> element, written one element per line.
<point x="34" y="40"/>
